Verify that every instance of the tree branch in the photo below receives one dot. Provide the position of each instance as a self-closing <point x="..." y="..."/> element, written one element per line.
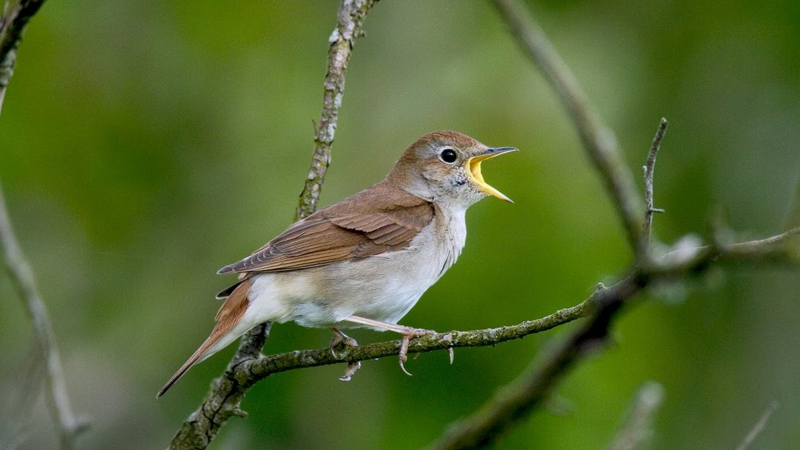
<point x="598" y="140"/>
<point x="254" y="370"/>
<point x="637" y="428"/>
<point x="649" y="169"/>
<point x="67" y="424"/>
<point x="514" y="402"/>
<point x="350" y="26"/>
<point x="227" y="392"/>
<point x="758" y="427"/>
<point x="12" y="26"/>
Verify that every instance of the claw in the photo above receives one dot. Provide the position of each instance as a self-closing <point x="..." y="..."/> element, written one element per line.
<point x="411" y="333"/>
<point x="451" y="353"/>
<point x="352" y="368"/>
<point x="403" y="353"/>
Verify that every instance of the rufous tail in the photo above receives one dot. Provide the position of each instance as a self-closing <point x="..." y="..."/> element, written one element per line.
<point x="225" y="331"/>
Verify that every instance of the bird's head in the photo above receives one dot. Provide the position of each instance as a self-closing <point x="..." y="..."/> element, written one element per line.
<point x="445" y="167"/>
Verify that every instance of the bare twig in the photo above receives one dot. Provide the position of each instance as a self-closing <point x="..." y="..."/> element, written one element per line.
<point x="758" y="427"/>
<point x="758" y="245"/>
<point x="350" y="26"/>
<point x="67" y="424"/>
<point x="649" y="169"/>
<point x="516" y="401"/>
<point x="598" y="140"/>
<point x="268" y="365"/>
<point x="12" y="26"/>
<point x="226" y="393"/>
<point x="637" y="428"/>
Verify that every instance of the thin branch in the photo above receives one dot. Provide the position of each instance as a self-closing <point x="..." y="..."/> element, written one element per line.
<point x="67" y="424"/>
<point x="637" y="427"/>
<point x="759" y="244"/>
<point x="512" y="403"/>
<point x="758" y="427"/>
<point x="350" y="26"/>
<point x="649" y="169"/>
<point x="12" y="27"/>
<point x="515" y="401"/>
<point x="598" y="140"/>
<point x="226" y="394"/>
<point x="253" y="371"/>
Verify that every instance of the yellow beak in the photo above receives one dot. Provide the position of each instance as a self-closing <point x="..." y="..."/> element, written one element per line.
<point x="474" y="166"/>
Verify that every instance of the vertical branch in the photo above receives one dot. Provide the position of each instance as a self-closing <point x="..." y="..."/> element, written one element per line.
<point x="598" y="140"/>
<point x="649" y="169"/>
<point x="12" y="26"/>
<point x="228" y="390"/>
<point x="350" y="26"/>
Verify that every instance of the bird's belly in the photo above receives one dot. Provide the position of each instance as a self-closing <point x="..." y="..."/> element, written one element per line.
<point x="382" y="287"/>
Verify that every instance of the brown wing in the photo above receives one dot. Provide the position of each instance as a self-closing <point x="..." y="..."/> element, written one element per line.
<point x="380" y="219"/>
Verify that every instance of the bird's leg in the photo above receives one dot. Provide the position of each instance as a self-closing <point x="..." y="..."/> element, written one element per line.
<point x="341" y="338"/>
<point x="408" y="333"/>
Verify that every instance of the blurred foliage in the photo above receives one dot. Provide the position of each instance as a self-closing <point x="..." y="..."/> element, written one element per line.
<point x="145" y="144"/>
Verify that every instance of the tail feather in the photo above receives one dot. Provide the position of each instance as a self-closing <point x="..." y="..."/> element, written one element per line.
<point x="227" y="329"/>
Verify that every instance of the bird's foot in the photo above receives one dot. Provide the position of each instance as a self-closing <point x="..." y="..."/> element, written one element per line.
<point x="346" y="341"/>
<point x="343" y="339"/>
<point x="408" y="334"/>
<point x="352" y="368"/>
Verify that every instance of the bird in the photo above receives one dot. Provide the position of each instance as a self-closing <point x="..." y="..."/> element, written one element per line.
<point x="365" y="261"/>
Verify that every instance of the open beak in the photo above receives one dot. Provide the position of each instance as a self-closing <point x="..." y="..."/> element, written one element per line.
<point x="474" y="166"/>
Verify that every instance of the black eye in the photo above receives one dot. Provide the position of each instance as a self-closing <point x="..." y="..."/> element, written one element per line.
<point x="448" y="155"/>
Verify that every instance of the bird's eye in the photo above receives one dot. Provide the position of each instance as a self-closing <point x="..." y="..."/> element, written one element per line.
<point x="448" y="155"/>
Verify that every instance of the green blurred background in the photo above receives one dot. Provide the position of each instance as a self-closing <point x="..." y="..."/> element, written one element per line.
<point x="145" y="144"/>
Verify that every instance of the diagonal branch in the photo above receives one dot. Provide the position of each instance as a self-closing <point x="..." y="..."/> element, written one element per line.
<point x="12" y="26"/>
<point x="758" y="427"/>
<point x="598" y="140"/>
<point x="637" y="428"/>
<point x="224" y="399"/>
<point x="67" y="424"/>
<point x="514" y="402"/>
<point x="254" y="370"/>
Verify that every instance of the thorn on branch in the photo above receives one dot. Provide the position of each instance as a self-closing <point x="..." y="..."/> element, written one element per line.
<point x="239" y="413"/>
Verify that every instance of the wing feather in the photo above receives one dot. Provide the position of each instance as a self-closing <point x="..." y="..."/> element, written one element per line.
<point x="377" y="220"/>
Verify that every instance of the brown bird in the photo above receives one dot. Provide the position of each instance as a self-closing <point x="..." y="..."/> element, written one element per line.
<point x="365" y="261"/>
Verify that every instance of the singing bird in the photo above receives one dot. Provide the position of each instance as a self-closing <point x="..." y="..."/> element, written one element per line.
<point x="365" y="261"/>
